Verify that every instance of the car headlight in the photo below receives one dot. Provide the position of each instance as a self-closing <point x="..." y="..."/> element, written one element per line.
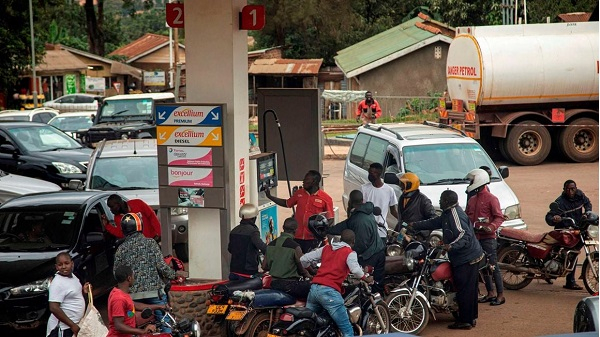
<point x="512" y="212"/>
<point x="124" y="136"/>
<point x="179" y="211"/>
<point x="32" y="288"/>
<point x="593" y="231"/>
<point x="66" y="168"/>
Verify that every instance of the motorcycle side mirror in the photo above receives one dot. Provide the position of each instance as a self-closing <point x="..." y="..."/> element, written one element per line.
<point x="376" y="211"/>
<point x="554" y="207"/>
<point x="147" y="313"/>
<point x="391" y="178"/>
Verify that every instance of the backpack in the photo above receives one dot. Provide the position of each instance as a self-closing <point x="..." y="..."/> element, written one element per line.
<point x="177" y="265"/>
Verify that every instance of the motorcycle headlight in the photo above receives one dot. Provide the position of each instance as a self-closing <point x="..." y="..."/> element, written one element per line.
<point x="512" y="212"/>
<point x="179" y="211"/>
<point x="410" y="264"/>
<point x="32" y="288"/>
<point x="394" y="250"/>
<point x="593" y="231"/>
<point x="66" y="168"/>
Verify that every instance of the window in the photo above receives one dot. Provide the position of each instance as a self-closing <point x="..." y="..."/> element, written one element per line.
<point x="359" y="148"/>
<point x="68" y="99"/>
<point x="37" y="118"/>
<point x="437" y="52"/>
<point x="375" y="152"/>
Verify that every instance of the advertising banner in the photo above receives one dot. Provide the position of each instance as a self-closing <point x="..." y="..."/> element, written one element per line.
<point x="189" y="156"/>
<point x="190" y="177"/>
<point x="189" y="135"/>
<point x="189" y="115"/>
<point x="154" y="78"/>
<point x="268" y="224"/>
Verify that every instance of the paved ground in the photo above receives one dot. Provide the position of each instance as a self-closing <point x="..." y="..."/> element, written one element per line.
<point x="540" y="308"/>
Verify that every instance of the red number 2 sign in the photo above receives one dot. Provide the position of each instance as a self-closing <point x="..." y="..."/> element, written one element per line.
<point x="174" y="15"/>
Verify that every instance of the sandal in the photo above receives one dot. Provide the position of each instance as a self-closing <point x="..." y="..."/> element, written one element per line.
<point x="486" y="299"/>
<point x="573" y="286"/>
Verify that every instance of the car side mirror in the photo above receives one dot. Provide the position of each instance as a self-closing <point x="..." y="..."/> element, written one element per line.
<point x="93" y="238"/>
<point x="503" y="171"/>
<point x="391" y="178"/>
<point x="8" y="148"/>
<point x="75" y="184"/>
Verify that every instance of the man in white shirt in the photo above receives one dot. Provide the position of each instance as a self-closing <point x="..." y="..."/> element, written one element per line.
<point x="382" y="196"/>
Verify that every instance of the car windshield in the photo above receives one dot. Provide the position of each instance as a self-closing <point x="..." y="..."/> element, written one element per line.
<point x="42" y="138"/>
<point x="124" y="173"/>
<point x="37" y="230"/>
<point x="126" y="108"/>
<point x="72" y="123"/>
<point x="446" y="163"/>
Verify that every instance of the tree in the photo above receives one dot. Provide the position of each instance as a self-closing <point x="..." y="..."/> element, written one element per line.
<point x="15" y="53"/>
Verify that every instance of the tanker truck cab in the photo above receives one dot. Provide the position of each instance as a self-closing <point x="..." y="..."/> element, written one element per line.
<point x="440" y="156"/>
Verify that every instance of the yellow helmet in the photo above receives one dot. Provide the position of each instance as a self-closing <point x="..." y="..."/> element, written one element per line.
<point x="409" y="182"/>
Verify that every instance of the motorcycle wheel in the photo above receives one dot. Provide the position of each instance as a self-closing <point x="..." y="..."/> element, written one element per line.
<point x="589" y="280"/>
<point x="516" y="256"/>
<point x="417" y="321"/>
<point x="372" y="325"/>
<point x="259" y="327"/>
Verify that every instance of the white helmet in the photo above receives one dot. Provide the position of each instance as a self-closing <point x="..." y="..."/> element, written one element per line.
<point x="248" y="211"/>
<point x="478" y="178"/>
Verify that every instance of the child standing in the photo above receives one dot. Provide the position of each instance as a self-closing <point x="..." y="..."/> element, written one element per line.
<point x="65" y="299"/>
<point x="121" y="309"/>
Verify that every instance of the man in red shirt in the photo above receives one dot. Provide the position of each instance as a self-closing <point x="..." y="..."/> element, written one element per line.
<point x="368" y="109"/>
<point x="309" y="200"/>
<point x="119" y="207"/>
<point x="484" y="212"/>
<point x="121" y="309"/>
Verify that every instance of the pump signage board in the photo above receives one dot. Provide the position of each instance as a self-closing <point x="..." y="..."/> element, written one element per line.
<point x="189" y="135"/>
<point x="192" y="156"/>
<point x="189" y="115"/>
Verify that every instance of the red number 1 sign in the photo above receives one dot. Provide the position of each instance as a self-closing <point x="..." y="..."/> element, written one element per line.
<point x="252" y="17"/>
<point x="174" y="15"/>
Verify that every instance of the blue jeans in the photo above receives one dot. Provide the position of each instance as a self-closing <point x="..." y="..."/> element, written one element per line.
<point x="324" y="297"/>
<point x="158" y="314"/>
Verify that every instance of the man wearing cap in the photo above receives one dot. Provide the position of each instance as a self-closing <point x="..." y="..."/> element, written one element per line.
<point x="282" y="260"/>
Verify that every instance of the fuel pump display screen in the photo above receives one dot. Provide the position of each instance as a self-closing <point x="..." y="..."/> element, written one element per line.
<point x="267" y="171"/>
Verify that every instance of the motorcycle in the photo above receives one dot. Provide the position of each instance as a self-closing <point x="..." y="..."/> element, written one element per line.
<point x="525" y="256"/>
<point x="428" y="291"/>
<point x="220" y="295"/>
<point x="367" y="311"/>
<point x="254" y="311"/>
<point x="182" y="328"/>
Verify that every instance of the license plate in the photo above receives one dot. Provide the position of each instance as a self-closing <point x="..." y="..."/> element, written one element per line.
<point x="215" y="309"/>
<point x="236" y="315"/>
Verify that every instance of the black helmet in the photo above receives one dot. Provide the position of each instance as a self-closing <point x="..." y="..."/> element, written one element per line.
<point x="131" y="223"/>
<point x="317" y="224"/>
<point x="415" y="250"/>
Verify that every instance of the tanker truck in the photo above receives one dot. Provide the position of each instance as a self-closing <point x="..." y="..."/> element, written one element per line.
<point x="525" y="90"/>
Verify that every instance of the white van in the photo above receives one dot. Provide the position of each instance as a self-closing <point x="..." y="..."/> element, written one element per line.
<point x="441" y="157"/>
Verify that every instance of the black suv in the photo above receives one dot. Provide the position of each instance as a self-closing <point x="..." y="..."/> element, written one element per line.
<point x="126" y="117"/>
<point x="41" y="151"/>
<point x="70" y="222"/>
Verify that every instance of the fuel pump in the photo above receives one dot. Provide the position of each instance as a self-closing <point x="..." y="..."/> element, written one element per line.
<point x="262" y="175"/>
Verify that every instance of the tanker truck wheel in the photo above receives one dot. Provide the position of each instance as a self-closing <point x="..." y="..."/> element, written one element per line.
<point x="579" y="141"/>
<point x="528" y="143"/>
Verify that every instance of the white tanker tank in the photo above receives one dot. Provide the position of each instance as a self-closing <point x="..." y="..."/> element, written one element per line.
<point x="521" y="84"/>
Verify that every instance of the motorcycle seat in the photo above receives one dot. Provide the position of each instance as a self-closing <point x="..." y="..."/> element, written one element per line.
<point x="300" y="312"/>
<point x="522" y="235"/>
<point x="231" y="286"/>
<point x="272" y="298"/>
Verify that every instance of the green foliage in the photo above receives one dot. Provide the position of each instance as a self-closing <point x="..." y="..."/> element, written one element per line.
<point x="418" y="109"/>
<point x="458" y="13"/>
<point x="538" y="10"/>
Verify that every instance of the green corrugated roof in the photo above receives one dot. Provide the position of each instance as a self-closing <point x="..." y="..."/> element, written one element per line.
<point x="381" y="45"/>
